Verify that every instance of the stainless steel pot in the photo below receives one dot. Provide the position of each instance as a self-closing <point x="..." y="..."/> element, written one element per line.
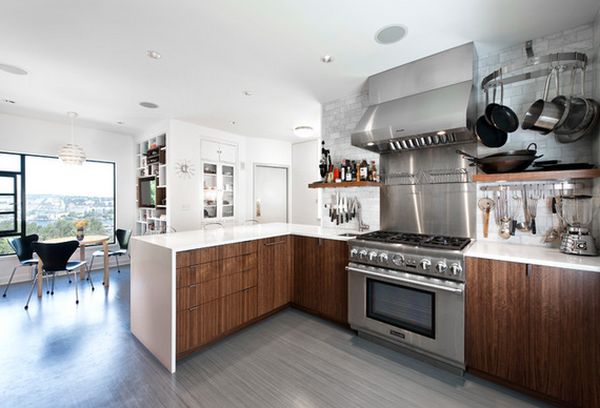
<point x="543" y="115"/>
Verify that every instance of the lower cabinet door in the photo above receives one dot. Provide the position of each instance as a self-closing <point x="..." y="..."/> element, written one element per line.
<point x="250" y="304"/>
<point x="238" y="308"/>
<point x="205" y="323"/>
<point x="333" y="280"/>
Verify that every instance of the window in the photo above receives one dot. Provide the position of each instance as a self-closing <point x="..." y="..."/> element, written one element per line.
<point x="54" y="196"/>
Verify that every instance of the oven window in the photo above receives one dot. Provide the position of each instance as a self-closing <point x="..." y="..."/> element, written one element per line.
<point x="401" y="306"/>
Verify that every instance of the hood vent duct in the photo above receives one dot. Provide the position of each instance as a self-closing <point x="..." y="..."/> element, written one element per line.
<point x="427" y="103"/>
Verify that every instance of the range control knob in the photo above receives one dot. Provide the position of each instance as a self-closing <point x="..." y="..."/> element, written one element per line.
<point x="363" y="254"/>
<point x="383" y="257"/>
<point x="441" y="267"/>
<point x="353" y="253"/>
<point x="398" y="260"/>
<point x="455" y="269"/>
<point x="425" y="264"/>
<point x="372" y="255"/>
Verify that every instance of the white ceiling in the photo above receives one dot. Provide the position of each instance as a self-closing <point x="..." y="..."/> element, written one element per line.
<point x="90" y="57"/>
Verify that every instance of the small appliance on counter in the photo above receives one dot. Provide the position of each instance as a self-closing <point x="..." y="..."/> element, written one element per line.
<point x="577" y="212"/>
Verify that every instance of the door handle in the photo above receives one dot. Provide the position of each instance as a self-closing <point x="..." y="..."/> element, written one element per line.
<point x="274" y="243"/>
<point x="258" y="211"/>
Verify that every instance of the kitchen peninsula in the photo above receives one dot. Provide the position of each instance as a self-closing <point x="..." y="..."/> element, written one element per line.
<point x="191" y="288"/>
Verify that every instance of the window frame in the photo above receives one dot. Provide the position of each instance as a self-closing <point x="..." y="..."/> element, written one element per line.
<point x="23" y="193"/>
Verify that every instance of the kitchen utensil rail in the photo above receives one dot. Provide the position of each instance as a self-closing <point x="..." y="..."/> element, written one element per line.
<point x="565" y="60"/>
<point x="541" y="186"/>
<point x="433" y="176"/>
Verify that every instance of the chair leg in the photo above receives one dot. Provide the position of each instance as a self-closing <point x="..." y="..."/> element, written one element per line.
<point x="89" y="278"/>
<point x="31" y="291"/>
<point x="47" y="285"/>
<point x="76" y="286"/>
<point x="53" y="277"/>
<point x="118" y="267"/>
<point x="91" y="263"/>
<point x="9" y="280"/>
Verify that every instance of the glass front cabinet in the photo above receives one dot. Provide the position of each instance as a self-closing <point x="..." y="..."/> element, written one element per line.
<point x="219" y="190"/>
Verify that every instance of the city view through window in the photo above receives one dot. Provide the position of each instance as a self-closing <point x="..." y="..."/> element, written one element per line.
<point x="57" y="195"/>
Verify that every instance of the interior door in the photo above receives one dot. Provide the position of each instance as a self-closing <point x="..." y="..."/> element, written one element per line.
<point x="270" y="194"/>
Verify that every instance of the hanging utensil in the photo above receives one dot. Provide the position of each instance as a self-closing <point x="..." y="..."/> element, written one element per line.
<point x="500" y="116"/>
<point x="489" y="135"/>
<point x="543" y="115"/>
<point x="504" y="220"/>
<point x="524" y="225"/>
<point x="485" y="205"/>
<point x="583" y="114"/>
<point x="534" y="196"/>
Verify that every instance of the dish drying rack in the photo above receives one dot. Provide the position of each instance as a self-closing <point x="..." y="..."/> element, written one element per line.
<point x="433" y="176"/>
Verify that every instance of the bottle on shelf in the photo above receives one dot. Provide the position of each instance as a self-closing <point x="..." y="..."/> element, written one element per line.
<point x="374" y="175"/>
<point x="364" y="171"/>
<point x="348" y="171"/>
<point x="343" y="171"/>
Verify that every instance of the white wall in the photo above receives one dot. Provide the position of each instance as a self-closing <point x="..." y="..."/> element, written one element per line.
<point x="184" y="194"/>
<point x="305" y="170"/>
<point x="26" y="135"/>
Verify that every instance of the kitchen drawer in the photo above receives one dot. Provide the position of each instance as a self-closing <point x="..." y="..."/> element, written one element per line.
<point x="183" y="276"/>
<point x="197" y="294"/>
<point x="242" y="248"/>
<point x="239" y="263"/>
<point x="197" y="256"/>
<point x="238" y="308"/>
<point x="239" y="281"/>
<point x="204" y="323"/>
<point x="205" y="272"/>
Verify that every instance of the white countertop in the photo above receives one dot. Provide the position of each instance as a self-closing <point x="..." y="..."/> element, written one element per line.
<point x="188" y="240"/>
<point x="535" y="255"/>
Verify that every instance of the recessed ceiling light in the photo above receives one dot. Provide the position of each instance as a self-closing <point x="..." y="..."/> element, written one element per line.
<point x="149" y="105"/>
<point x="247" y="93"/>
<point x="153" y="54"/>
<point x="390" y="34"/>
<point x="233" y="122"/>
<point x="303" y="131"/>
<point x="11" y="69"/>
<point x="326" y="59"/>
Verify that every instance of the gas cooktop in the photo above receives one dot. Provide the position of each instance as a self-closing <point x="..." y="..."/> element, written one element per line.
<point x="421" y="240"/>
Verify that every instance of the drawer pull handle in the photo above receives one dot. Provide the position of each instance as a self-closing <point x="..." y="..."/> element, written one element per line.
<point x="275" y="243"/>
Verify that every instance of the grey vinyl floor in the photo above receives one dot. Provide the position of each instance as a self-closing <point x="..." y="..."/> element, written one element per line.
<point x="59" y="354"/>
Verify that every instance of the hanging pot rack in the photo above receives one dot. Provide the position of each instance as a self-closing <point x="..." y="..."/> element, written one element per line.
<point x="564" y="60"/>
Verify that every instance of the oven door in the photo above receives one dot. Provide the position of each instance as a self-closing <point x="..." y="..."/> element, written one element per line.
<point x="418" y="312"/>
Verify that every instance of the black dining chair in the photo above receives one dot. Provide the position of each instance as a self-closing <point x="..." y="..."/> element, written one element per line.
<point x="23" y="248"/>
<point x="55" y="258"/>
<point x="123" y="237"/>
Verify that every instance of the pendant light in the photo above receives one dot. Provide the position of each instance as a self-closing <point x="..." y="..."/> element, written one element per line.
<point x="72" y="153"/>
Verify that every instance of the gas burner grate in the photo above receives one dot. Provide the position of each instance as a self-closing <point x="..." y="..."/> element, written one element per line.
<point x="426" y="241"/>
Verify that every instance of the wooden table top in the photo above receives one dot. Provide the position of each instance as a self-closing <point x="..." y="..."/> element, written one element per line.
<point x="87" y="240"/>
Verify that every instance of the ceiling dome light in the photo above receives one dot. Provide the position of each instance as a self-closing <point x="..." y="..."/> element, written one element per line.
<point x="247" y="93"/>
<point x="71" y="153"/>
<point x="153" y="54"/>
<point x="11" y="69"/>
<point x="326" y="59"/>
<point x="149" y="105"/>
<point x="303" y="131"/>
<point x="390" y="34"/>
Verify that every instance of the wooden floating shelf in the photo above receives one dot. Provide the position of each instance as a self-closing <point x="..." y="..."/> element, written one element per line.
<point x="538" y="175"/>
<point x="319" y="184"/>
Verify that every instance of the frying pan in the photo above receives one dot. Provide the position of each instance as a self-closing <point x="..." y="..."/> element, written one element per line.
<point x="500" y="116"/>
<point x="506" y="162"/>
<point x="489" y="135"/>
<point x="582" y="116"/>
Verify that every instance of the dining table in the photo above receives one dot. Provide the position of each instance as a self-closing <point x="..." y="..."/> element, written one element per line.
<point x="88" y="240"/>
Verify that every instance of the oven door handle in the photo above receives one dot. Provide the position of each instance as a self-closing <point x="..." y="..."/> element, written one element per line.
<point x="398" y="278"/>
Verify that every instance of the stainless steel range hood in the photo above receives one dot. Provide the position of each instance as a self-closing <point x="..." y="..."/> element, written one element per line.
<point x="426" y="103"/>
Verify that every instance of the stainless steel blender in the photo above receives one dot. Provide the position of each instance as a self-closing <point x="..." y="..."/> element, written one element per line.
<point x="577" y="213"/>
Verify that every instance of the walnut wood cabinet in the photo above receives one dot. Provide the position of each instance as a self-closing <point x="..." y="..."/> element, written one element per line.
<point x="320" y="278"/>
<point x="535" y="328"/>
<point x="274" y="274"/>
<point x="216" y="293"/>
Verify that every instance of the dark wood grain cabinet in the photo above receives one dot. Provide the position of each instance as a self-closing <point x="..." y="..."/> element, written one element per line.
<point x="274" y="274"/>
<point x="536" y="328"/>
<point x="320" y="278"/>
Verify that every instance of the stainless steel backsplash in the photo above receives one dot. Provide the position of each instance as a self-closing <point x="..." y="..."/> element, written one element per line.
<point x="444" y="208"/>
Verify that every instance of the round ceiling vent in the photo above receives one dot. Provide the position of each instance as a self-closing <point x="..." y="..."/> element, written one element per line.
<point x="390" y="34"/>
<point x="149" y="105"/>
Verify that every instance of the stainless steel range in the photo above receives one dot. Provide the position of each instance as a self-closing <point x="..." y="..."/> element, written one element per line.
<point x="408" y="289"/>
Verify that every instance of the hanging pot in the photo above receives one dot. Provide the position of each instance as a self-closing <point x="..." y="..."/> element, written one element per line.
<point x="489" y="135"/>
<point x="582" y="117"/>
<point x="500" y="116"/>
<point x="543" y="115"/>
